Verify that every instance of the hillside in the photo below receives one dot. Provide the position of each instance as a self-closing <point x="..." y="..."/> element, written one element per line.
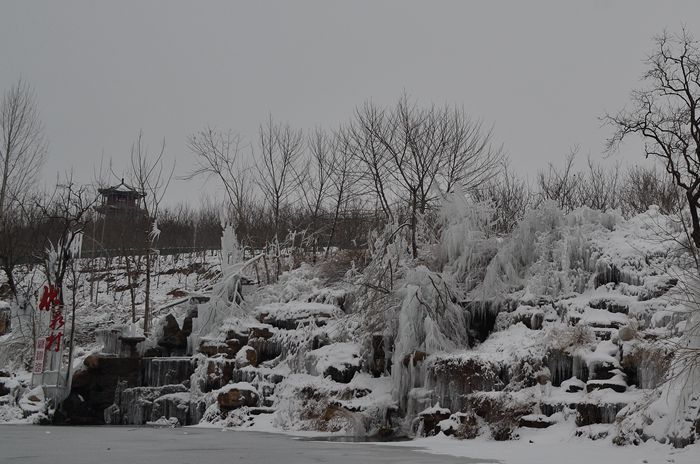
<point x="574" y="323"/>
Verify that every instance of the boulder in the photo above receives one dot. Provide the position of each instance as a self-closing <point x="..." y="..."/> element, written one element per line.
<point x="335" y="418"/>
<point x="428" y="420"/>
<point x="464" y="425"/>
<point x="288" y="316"/>
<point x="174" y="339"/>
<point x="414" y="358"/>
<point x="237" y="395"/>
<point x="247" y="356"/>
<point x="341" y="374"/>
<point x="573" y="385"/>
<point x="260" y="332"/>
<point x="536" y="421"/>
<point x="455" y="377"/>
<point x="4" y="390"/>
<point x="154" y="352"/>
<point x="212" y="348"/>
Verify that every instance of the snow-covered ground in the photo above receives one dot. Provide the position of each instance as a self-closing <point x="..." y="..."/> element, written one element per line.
<point x="556" y="446"/>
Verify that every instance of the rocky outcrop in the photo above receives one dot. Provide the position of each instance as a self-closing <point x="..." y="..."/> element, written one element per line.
<point x="236" y="395"/>
<point x="174" y="338"/>
<point x="94" y="386"/>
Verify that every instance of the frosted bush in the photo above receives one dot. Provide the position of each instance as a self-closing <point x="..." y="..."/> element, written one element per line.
<point x="467" y="242"/>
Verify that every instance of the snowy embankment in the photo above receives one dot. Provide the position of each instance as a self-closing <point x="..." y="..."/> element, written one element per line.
<point x="564" y="334"/>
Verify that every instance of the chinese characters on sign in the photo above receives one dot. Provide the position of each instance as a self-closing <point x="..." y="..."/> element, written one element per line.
<point x="50" y="301"/>
<point x="39" y="356"/>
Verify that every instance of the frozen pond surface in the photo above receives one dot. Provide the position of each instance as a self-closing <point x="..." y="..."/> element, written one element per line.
<point x="126" y="445"/>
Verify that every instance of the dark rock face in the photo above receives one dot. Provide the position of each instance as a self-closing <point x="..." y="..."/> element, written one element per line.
<point x="317" y="316"/>
<point x="265" y="349"/>
<point x="217" y="348"/>
<point x="3" y="389"/>
<point x="590" y="413"/>
<point x="5" y="321"/>
<point x="378" y="362"/>
<point x="235" y="398"/>
<point x="260" y="332"/>
<point x="481" y="317"/>
<point x="536" y="422"/>
<point x="174" y="339"/>
<point x="138" y="405"/>
<point x="453" y="379"/>
<point x="414" y="358"/>
<point x="600" y="385"/>
<point x="429" y="421"/>
<point x="609" y="305"/>
<point x="219" y="373"/>
<point x="502" y="412"/>
<point x="157" y="372"/>
<point x="562" y="366"/>
<point x="94" y="387"/>
<point x="464" y="425"/>
<point x="341" y="374"/>
<point x="155" y="352"/>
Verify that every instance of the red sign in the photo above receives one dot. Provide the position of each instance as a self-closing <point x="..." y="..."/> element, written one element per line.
<point x="50" y="301"/>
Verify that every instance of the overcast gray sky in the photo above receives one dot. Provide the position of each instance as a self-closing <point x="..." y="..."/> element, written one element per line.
<point x="542" y="72"/>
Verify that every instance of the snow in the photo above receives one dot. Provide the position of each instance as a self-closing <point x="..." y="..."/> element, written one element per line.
<point x="553" y="445"/>
<point x="240" y="386"/>
<point x="298" y="311"/>
<point x="338" y="355"/>
<point x="569" y="296"/>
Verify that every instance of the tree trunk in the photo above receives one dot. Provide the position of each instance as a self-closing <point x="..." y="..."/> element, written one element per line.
<point x="10" y="279"/>
<point x="132" y="290"/>
<point x="336" y="214"/>
<point x="69" y="370"/>
<point x="414" y="224"/>
<point x="693" y="207"/>
<point x="147" y="302"/>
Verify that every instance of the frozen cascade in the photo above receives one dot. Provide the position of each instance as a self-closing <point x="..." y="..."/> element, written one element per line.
<point x="139" y="405"/>
<point x="166" y="371"/>
<point x="109" y="339"/>
<point x="564" y="366"/>
<point x="452" y="378"/>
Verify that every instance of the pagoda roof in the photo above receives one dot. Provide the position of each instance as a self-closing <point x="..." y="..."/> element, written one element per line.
<point x="122" y="187"/>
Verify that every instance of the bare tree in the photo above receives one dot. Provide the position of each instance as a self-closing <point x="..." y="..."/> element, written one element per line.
<point x="425" y="152"/>
<point x="596" y="186"/>
<point x="600" y="186"/>
<point x="67" y="212"/>
<point x="372" y="157"/>
<point x="217" y="156"/>
<point x="151" y="177"/>
<point x="646" y="186"/>
<point x="22" y="153"/>
<point x="666" y="113"/>
<point x="510" y="197"/>
<point x="314" y="177"/>
<point x="23" y="146"/>
<point x="280" y="149"/>
<point x="342" y="167"/>
<point x="561" y="185"/>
